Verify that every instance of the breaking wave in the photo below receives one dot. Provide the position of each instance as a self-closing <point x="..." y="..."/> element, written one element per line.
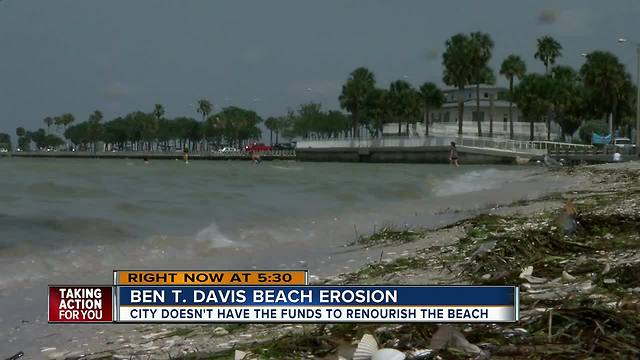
<point x="477" y="180"/>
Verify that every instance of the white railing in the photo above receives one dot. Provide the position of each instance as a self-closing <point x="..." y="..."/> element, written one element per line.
<point x="533" y="147"/>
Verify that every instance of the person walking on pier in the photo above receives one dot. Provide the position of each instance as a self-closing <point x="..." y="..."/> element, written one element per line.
<point x="453" y="154"/>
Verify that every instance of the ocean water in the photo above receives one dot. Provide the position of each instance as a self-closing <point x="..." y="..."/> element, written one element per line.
<point x="74" y="221"/>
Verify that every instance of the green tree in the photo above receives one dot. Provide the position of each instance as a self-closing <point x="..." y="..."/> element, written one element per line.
<point x="404" y="103"/>
<point x="272" y="125"/>
<point x="532" y="96"/>
<point x="353" y="97"/>
<point x="378" y="110"/>
<point x="24" y="143"/>
<point x="78" y="134"/>
<point x="567" y="98"/>
<point x="94" y="128"/>
<point x="158" y="111"/>
<point x="547" y="51"/>
<point x="431" y="98"/>
<point x="23" y="140"/>
<point x="281" y="125"/>
<point x="237" y="125"/>
<point x="482" y="44"/>
<point x="204" y="108"/>
<point x="5" y="141"/>
<point x="48" y="121"/>
<point x="65" y="120"/>
<point x="606" y="82"/>
<point x="512" y="67"/>
<point x="38" y="137"/>
<point x="458" y="70"/>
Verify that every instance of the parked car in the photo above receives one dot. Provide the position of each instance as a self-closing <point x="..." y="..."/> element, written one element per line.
<point x="228" y="149"/>
<point x="284" y="146"/>
<point x="623" y="142"/>
<point x="3" y="150"/>
<point x="257" y="147"/>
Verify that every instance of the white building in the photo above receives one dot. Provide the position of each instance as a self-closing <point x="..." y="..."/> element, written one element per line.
<point x="444" y="121"/>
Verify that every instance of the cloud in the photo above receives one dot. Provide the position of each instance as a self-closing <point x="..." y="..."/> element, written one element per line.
<point x="547" y="16"/>
<point x="117" y="90"/>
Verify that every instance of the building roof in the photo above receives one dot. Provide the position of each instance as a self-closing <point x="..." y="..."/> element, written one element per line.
<point x="483" y="103"/>
<point x="472" y="87"/>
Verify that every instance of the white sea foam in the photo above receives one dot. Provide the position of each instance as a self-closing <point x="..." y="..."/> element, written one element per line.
<point x="213" y="237"/>
<point x="477" y="180"/>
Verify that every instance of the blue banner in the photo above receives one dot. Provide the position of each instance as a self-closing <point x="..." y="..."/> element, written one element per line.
<point x="317" y="295"/>
<point x="599" y="139"/>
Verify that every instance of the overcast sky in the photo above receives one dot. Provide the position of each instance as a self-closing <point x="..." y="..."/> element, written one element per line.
<point x="118" y="56"/>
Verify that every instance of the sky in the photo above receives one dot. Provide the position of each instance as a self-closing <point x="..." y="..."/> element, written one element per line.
<point x="119" y="56"/>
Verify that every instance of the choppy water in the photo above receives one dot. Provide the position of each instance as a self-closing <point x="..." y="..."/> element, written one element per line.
<point x="74" y="221"/>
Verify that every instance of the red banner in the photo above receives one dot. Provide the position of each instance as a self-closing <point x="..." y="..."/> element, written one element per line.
<point x="80" y="304"/>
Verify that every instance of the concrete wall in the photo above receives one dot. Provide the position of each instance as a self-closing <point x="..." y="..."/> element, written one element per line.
<point x="433" y="155"/>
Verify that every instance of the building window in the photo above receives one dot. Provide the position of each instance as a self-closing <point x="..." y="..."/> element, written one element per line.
<point x="446" y="117"/>
<point x="475" y="116"/>
<point x="486" y="95"/>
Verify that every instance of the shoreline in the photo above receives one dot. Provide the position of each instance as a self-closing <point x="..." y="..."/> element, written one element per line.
<point x="272" y="155"/>
<point x="398" y="267"/>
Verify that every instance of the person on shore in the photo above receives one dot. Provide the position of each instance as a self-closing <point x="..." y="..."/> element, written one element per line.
<point x="453" y="154"/>
<point x="145" y="159"/>
<point x="617" y="157"/>
<point x="185" y="152"/>
<point x="256" y="157"/>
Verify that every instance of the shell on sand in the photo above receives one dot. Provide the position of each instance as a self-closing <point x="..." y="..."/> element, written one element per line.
<point x="367" y="347"/>
<point x="368" y="350"/>
<point x="389" y="354"/>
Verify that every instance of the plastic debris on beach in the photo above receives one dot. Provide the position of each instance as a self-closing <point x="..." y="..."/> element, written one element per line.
<point x="368" y="350"/>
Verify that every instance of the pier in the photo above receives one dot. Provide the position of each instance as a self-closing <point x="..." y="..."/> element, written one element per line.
<point x="429" y="149"/>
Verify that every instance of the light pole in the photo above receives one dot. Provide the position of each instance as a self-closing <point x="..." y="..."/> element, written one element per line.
<point x="637" y="45"/>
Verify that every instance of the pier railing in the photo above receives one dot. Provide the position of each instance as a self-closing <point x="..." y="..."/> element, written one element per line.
<point x="532" y="147"/>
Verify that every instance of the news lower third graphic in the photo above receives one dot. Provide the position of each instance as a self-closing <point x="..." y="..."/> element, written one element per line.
<point x="270" y="297"/>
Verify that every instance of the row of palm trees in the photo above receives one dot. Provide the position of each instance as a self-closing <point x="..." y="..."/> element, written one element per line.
<point x="151" y="130"/>
<point x="601" y="87"/>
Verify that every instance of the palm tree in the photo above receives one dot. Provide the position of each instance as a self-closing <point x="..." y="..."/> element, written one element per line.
<point x="158" y="111"/>
<point x="431" y="98"/>
<point x="48" y="121"/>
<point x="532" y="96"/>
<point x="94" y="129"/>
<point x="548" y="50"/>
<point x="354" y="95"/>
<point x="604" y="78"/>
<point x="378" y="110"/>
<point x="458" y="71"/>
<point x="402" y="102"/>
<point x="272" y="124"/>
<point x="512" y="66"/>
<point x="568" y="99"/>
<point x="481" y="54"/>
<point x="67" y="119"/>
<point x="204" y="108"/>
